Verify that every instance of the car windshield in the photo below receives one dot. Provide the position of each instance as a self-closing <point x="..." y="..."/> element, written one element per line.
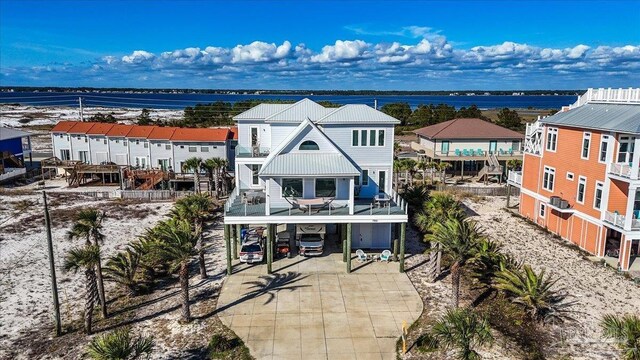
<point x="251" y="248"/>
<point x="310" y="237"/>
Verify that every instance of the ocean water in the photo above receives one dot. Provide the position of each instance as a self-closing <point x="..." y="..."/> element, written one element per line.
<point x="180" y="101"/>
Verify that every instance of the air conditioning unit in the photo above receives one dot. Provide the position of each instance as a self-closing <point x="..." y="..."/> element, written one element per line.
<point x="564" y="204"/>
<point x="555" y="201"/>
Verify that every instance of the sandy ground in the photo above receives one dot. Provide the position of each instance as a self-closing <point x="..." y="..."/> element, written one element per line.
<point x="25" y="292"/>
<point x="21" y="116"/>
<point x="597" y="290"/>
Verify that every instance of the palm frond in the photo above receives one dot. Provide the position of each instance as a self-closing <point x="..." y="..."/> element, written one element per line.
<point x="120" y="345"/>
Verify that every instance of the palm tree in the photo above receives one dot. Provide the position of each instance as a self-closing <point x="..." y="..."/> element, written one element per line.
<point x="120" y="345"/>
<point x="224" y="185"/>
<point x="193" y="164"/>
<point x="88" y="225"/>
<point x="625" y="331"/>
<point x="195" y="209"/>
<point x="536" y="293"/>
<point x="423" y="165"/>
<point x="433" y="166"/>
<point x="489" y="260"/>
<point x="86" y="258"/>
<point x="458" y="240"/>
<point x="410" y="169"/>
<point x="397" y="167"/>
<point x="440" y="207"/>
<point x="177" y="243"/>
<point x="122" y="269"/>
<point x="209" y="166"/>
<point x="443" y="166"/>
<point x="461" y="330"/>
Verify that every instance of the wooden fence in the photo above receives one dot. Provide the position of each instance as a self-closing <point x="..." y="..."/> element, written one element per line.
<point x="479" y="190"/>
<point x="153" y="195"/>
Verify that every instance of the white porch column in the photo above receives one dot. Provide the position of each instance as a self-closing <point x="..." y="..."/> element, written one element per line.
<point x="635" y="162"/>
<point x="351" y="195"/>
<point x="267" y="202"/>
<point x="237" y="178"/>
<point x="629" y="213"/>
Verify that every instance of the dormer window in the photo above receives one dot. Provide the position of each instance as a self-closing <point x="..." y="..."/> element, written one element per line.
<point x="309" y="145"/>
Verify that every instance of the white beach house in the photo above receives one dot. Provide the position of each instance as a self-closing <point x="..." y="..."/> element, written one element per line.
<point x="304" y="163"/>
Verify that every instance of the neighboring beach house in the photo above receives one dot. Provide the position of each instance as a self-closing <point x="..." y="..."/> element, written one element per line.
<point x="470" y="145"/>
<point x="303" y="163"/>
<point x="15" y="147"/>
<point x="581" y="176"/>
<point x="143" y="147"/>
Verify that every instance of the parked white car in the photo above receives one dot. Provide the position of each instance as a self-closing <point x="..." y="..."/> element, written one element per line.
<point x="251" y="252"/>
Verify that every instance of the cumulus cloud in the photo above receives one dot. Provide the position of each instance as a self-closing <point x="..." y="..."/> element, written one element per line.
<point x="424" y="56"/>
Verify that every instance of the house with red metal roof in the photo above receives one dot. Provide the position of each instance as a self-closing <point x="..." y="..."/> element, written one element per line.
<point x="144" y="147"/>
<point x="469" y="145"/>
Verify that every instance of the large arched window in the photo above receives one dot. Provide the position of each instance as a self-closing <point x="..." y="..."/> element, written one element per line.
<point x="309" y="145"/>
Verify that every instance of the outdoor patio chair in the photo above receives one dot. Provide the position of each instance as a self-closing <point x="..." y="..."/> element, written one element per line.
<point x="458" y="153"/>
<point x="480" y="152"/>
<point x="501" y="152"/>
<point x="385" y="256"/>
<point x="465" y="152"/>
<point x="362" y="257"/>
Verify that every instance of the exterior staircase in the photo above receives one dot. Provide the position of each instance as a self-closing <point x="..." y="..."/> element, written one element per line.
<point x="491" y="168"/>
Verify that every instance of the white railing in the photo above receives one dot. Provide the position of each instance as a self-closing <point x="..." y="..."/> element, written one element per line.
<point x="533" y="138"/>
<point x="12" y="172"/>
<point x="515" y="177"/>
<point x="630" y="95"/>
<point x="623" y="170"/>
<point x="615" y="219"/>
<point x="232" y="197"/>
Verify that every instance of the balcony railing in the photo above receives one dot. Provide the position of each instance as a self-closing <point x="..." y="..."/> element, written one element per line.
<point x="624" y="170"/>
<point x="252" y="152"/>
<point x="515" y="177"/>
<point x="609" y="95"/>
<point x="619" y="220"/>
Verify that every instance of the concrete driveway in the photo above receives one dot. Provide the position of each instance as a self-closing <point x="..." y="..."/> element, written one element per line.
<point x="310" y="308"/>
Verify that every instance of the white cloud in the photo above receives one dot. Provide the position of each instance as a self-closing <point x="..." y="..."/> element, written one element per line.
<point x="577" y="52"/>
<point x="137" y="57"/>
<point x="259" y="51"/>
<point x="342" y="51"/>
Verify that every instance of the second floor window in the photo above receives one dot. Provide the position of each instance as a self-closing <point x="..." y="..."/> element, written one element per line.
<point x="255" y="179"/>
<point x="367" y="137"/>
<point x="597" y="196"/>
<point x="325" y="187"/>
<point x="548" y="178"/>
<point x="308" y="145"/>
<point x="582" y="187"/>
<point x="552" y="139"/>
<point x="604" y="144"/>
<point x="193" y="148"/>
<point x="586" y="144"/>
<point x="291" y="187"/>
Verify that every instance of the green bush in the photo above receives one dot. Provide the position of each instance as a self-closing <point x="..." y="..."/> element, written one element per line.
<point x="225" y="347"/>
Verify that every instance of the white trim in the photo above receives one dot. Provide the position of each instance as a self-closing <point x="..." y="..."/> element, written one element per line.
<point x="585" y="136"/>
<point x="599" y="186"/>
<point x="551" y="131"/>
<point x="316" y="219"/>
<point x="582" y="180"/>
<point x="570" y="176"/>
<point x="604" y="139"/>
<point x="542" y="210"/>
<point x="552" y="171"/>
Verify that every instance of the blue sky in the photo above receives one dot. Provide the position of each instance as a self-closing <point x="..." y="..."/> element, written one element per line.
<point x="404" y="45"/>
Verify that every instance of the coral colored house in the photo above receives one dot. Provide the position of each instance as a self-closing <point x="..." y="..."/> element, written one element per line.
<point x="580" y="175"/>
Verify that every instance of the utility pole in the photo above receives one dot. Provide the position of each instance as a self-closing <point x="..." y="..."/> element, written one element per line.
<point x="81" y="112"/>
<point x="52" y="268"/>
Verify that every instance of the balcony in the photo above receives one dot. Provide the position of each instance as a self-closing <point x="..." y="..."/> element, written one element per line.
<point x="618" y="220"/>
<point x="252" y="152"/>
<point x="254" y="205"/>
<point x="515" y="178"/>
<point x="624" y="170"/>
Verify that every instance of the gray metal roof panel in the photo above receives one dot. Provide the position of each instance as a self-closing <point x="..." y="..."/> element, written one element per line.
<point x="357" y="113"/>
<point x="623" y="118"/>
<point x="8" y="133"/>
<point x="261" y="111"/>
<point x="309" y="164"/>
<point x="299" y="111"/>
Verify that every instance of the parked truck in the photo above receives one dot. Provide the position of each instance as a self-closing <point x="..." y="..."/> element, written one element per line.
<point x="310" y="239"/>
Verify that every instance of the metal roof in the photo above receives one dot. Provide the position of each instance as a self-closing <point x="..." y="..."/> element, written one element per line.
<point x="467" y="128"/>
<point x="309" y="164"/>
<point x="356" y="113"/>
<point x="303" y="109"/>
<point x="308" y="109"/>
<point x="261" y="111"/>
<point x="8" y="133"/>
<point x="623" y="118"/>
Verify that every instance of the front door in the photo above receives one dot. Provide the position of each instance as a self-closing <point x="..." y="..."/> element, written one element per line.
<point x="163" y="164"/>
<point x="65" y="154"/>
<point x="83" y="156"/>
<point x="493" y="146"/>
<point x="444" y="148"/>
<point x="254" y="137"/>
<point x="382" y="181"/>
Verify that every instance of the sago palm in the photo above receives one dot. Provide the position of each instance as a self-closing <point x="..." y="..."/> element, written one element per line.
<point x="536" y="293"/>
<point x="459" y="330"/>
<point x="120" y="345"/>
<point x="122" y="269"/>
<point x="195" y="209"/>
<point x="85" y="258"/>
<point x="458" y="239"/>
<point x="193" y="164"/>
<point x="88" y="226"/>
<point x="625" y="331"/>
<point x="489" y="260"/>
<point x="178" y="245"/>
